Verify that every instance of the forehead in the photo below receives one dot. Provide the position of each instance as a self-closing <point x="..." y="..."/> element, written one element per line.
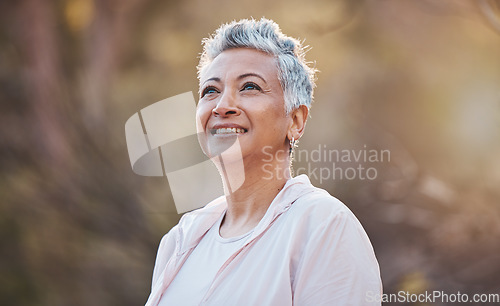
<point x="234" y="62"/>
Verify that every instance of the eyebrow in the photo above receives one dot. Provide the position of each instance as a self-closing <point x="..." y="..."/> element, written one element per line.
<point x="251" y="74"/>
<point x="216" y="79"/>
<point x="212" y="79"/>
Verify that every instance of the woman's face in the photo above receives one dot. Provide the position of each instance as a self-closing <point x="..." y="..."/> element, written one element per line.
<point x="242" y="97"/>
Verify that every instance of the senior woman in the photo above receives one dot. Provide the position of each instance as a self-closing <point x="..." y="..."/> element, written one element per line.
<point x="272" y="239"/>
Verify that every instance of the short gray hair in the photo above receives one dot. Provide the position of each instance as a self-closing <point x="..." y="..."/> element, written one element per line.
<point x="294" y="73"/>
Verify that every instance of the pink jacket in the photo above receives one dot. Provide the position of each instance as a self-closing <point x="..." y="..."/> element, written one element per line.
<point x="308" y="249"/>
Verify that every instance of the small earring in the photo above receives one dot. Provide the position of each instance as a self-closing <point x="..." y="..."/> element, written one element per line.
<point x="292" y="145"/>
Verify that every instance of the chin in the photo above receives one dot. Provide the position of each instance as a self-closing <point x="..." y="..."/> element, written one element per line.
<point x="229" y="152"/>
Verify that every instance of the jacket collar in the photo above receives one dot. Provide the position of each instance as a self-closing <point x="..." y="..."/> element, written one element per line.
<point x="194" y="225"/>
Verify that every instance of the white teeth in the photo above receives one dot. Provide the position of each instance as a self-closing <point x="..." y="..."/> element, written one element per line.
<point x="229" y="131"/>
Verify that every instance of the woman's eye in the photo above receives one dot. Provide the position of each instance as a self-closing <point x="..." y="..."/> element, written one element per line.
<point x="250" y="86"/>
<point x="209" y="90"/>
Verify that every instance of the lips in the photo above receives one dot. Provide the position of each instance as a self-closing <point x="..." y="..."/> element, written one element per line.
<point x="227" y="129"/>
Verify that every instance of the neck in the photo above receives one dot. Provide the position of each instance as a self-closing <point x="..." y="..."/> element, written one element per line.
<point x="247" y="204"/>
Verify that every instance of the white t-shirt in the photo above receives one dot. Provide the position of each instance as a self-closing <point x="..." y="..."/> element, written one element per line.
<point x="201" y="267"/>
<point x="308" y="249"/>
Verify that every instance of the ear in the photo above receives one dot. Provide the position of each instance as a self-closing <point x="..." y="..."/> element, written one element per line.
<point x="299" y="118"/>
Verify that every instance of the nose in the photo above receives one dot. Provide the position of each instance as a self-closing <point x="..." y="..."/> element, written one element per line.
<point x="226" y="106"/>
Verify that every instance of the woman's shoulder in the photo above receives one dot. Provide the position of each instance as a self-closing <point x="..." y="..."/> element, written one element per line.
<point x="208" y="213"/>
<point x="317" y="209"/>
<point x="319" y="202"/>
<point x="308" y="198"/>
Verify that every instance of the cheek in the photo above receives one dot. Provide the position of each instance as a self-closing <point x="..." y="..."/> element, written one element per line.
<point x="201" y="122"/>
<point x="273" y="126"/>
<point x="202" y="115"/>
<point x="276" y="118"/>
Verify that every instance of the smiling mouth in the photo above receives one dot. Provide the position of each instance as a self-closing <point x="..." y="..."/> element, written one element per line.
<point x="228" y="131"/>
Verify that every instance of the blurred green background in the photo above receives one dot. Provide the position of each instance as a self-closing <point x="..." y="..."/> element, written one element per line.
<point x="420" y="78"/>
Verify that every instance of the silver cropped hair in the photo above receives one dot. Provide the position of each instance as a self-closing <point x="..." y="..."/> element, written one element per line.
<point x="296" y="77"/>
